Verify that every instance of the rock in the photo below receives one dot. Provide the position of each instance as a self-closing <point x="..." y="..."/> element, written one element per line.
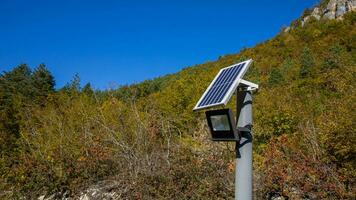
<point x="52" y="197"/>
<point x="329" y="12"/>
<point x="340" y="9"/>
<point x="332" y="4"/>
<point x="287" y="29"/>
<point x="337" y="8"/>
<point x="316" y="13"/>
<point x="278" y="198"/>
<point x="84" y="197"/>
<point x="65" y="195"/>
<point x="56" y="196"/>
<point x="102" y="190"/>
<point x="305" y="20"/>
<point x="41" y="197"/>
<point x="350" y="5"/>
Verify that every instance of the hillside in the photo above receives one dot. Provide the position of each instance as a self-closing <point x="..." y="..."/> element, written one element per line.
<point x="144" y="142"/>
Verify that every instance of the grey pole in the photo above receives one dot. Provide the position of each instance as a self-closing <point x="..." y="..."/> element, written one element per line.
<point x="243" y="171"/>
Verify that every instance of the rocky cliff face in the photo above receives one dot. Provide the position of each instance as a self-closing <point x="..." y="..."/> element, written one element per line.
<point x="334" y="9"/>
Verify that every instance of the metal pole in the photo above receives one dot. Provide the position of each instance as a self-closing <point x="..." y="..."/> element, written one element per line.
<point x="243" y="171"/>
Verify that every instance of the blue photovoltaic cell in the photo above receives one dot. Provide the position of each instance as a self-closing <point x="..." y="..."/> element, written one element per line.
<point x="221" y="85"/>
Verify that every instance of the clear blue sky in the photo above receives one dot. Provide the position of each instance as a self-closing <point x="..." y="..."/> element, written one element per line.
<point x="123" y="42"/>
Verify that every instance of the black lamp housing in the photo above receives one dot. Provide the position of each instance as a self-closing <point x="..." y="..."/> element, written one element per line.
<point x="222" y="125"/>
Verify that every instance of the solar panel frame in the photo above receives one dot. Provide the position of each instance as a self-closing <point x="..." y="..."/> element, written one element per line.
<point x="221" y="85"/>
<point x="226" y="97"/>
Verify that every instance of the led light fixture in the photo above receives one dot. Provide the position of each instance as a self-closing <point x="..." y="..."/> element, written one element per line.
<point x="222" y="125"/>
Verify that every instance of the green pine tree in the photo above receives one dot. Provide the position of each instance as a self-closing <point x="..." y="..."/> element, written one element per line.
<point x="15" y="92"/>
<point x="275" y="77"/>
<point x="333" y="58"/>
<point x="306" y="63"/>
<point x="42" y="81"/>
<point x="74" y="85"/>
<point x="88" y="90"/>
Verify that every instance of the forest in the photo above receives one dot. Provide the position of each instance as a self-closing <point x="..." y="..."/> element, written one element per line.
<point x="147" y="139"/>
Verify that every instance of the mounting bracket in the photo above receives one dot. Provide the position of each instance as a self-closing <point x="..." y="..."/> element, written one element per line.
<point x="248" y="86"/>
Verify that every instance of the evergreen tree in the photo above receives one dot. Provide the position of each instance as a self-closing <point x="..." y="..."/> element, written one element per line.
<point x="306" y="63"/>
<point x="15" y="84"/>
<point x="17" y="81"/>
<point x="332" y="59"/>
<point x="74" y="85"/>
<point x="15" y="92"/>
<point x="88" y="90"/>
<point x="275" y="77"/>
<point x="43" y="82"/>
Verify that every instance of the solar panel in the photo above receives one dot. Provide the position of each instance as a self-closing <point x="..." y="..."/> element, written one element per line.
<point x="223" y="86"/>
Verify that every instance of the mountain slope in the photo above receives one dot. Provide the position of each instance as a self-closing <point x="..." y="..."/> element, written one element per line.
<point x="307" y="94"/>
<point x="304" y="112"/>
<point x="144" y="142"/>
